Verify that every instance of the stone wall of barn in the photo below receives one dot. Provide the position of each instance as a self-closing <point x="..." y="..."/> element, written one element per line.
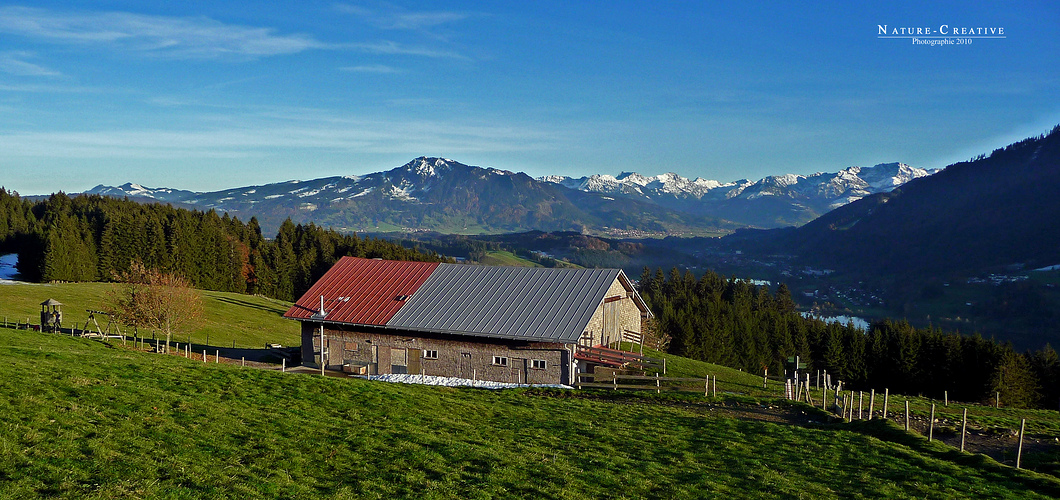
<point x="613" y="317"/>
<point x="377" y="351"/>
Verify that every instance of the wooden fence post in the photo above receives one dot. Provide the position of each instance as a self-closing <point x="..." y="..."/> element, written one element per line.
<point x="243" y="361"/>
<point x="824" y="398"/>
<point x="1019" y="451"/>
<point x="217" y="356"/>
<point x="931" y="424"/>
<point x="657" y="389"/>
<point x="204" y="355"/>
<point x="997" y="400"/>
<point x="872" y="402"/>
<point x="615" y="379"/>
<point x="886" y="401"/>
<point x="946" y="394"/>
<point x="283" y="365"/>
<point x="706" y="386"/>
<point x="907" y="415"/>
<point x="964" y="427"/>
<point x="765" y="377"/>
<point x="861" y="398"/>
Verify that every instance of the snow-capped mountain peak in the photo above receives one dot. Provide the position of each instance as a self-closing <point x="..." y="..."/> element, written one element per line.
<point x="810" y="195"/>
<point x="133" y="190"/>
<point x="425" y="166"/>
<point x="772" y="201"/>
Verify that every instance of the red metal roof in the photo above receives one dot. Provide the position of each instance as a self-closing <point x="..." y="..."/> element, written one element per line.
<point x="362" y="291"/>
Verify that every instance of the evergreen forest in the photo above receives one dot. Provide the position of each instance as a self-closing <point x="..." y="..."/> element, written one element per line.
<point x="95" y="238"/>
<point x="735" y="323"/>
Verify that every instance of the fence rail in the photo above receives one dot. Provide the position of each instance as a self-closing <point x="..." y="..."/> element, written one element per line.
<point x="644" y="382"/>
<point x="613" y="357"/>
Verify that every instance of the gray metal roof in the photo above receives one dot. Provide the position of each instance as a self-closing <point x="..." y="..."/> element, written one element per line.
<point x="522" y="303"/>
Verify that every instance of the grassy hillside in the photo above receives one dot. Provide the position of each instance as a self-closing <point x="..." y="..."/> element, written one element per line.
<point x="248" y="321"/>
<point x="982" y="419"/>
<point x="80" y="419"/>
<point x="502" y="258"/>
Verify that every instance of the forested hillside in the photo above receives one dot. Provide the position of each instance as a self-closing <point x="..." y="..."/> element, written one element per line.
<point x="984" y="214"/>
<point x="738" y="324"/>
<point x="91" y="238"/>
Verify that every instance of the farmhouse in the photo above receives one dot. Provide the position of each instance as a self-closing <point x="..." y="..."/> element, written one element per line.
<point x="506" y="324"/>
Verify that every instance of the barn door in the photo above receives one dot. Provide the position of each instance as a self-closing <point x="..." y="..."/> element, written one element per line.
<point x="414" y="361"/>
<point x="466" y="371"/>
<point x="398" y="360"/>
<point x="611" y="328"/>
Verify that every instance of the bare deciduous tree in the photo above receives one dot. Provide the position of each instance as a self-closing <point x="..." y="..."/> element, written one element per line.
<point x="150" y="298"/>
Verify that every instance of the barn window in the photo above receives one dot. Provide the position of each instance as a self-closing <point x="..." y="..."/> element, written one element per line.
<point x="500" y="360"/>
<point x="430" y="354"/>
<point x="538" y="364"/>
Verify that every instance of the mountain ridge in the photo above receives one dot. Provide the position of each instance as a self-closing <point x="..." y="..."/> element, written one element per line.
<point x="989" y="212"/>
<point x="629" y="204"/>
<point x="431" y="193"/>
<point x="799" y="198"/>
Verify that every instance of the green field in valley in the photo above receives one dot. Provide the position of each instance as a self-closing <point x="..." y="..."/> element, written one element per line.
<point x="502" y="258"/>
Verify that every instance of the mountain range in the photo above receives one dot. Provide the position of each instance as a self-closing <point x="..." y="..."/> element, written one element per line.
<point x="447" y="196"/>
<point x="435" y="194"/>
<point x="774" y="201"/>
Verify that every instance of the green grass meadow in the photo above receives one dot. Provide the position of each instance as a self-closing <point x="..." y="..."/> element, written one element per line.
<point x="248" y="321"/>
<point x="503" y="258"/>
<point x="81" y="419"/>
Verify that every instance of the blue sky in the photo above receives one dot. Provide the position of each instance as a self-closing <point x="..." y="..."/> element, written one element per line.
<point x="208" y="95"/>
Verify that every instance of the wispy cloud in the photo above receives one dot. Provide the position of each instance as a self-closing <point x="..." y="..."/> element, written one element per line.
<point x="40" y="88"/>
<point x="181" y="37"/>
<point x="394" y="48"/>
<point x="372" y="68"/>
<point x="355" y="136"/>
<point x="177" y="37"/>
<point x="392" y="18"/>
<point x="14" y="63"/>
